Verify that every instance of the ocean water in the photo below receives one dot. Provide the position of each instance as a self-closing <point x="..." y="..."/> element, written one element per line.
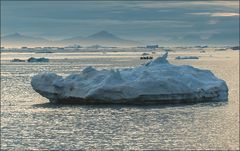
<point x="28" y="121"/>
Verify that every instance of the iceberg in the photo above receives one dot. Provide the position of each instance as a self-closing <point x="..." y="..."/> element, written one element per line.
<point x="17" y="60"/>
<point x="145" y="54"/>
<point x="32" y="59"/>
<point x="157" y="81"/>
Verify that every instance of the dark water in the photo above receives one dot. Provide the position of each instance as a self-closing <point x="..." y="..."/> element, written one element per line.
<point x="28" y="121"/>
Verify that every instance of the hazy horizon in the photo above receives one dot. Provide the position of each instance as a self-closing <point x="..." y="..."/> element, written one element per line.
<point x="164" y="23"/>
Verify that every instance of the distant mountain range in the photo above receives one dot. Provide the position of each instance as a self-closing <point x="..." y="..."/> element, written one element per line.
<point x="103" y="38"/>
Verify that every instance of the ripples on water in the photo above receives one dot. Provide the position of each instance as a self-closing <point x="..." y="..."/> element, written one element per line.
<point x="28" y="121"/>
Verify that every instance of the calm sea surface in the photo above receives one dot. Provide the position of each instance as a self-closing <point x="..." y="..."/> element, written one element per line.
<point x="28" y="121"/>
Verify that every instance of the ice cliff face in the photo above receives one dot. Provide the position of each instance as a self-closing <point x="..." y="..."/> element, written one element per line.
<point x="155" y="82"/>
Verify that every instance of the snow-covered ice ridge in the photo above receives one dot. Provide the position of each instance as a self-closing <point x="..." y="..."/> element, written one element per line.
<point x="157" y="81"/>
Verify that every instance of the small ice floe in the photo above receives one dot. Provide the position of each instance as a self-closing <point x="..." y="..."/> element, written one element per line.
<point x="32" y="59"/>
<point x="235" y="48"/>
<point x="145" y="54"/>
<point x="167" y="50"/>
<point x="44" y="51"/>
<point x="17" y="60"/>
<point x="187" y="57"/>
<point x="221" y="49"/>
<point x="157" y="81"/>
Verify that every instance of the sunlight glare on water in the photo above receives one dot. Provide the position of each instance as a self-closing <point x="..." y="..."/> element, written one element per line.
<point x="28" y="121"/>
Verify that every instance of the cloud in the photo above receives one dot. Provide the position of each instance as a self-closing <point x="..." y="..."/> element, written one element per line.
<point x="161" y="4"/>
<point x="229" y="4"/>
<point x="114" y="22"/>
<point x="225" y="14"/>
<point x="216" y="14"/>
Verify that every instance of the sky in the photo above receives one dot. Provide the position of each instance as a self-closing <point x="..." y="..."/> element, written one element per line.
<point x="162" y="22"/>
